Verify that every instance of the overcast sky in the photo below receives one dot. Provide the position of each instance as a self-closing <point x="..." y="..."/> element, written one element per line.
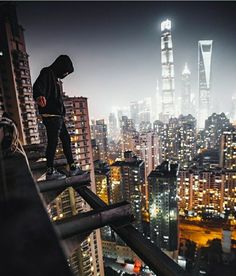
<point x="115" y="46"/>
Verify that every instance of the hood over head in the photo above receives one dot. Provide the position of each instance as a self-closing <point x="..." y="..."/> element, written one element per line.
<point x="62" y="66"/>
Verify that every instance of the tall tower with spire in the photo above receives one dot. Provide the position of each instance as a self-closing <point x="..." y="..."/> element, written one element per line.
<point x="204" y="80"/>
<point x="186" y="91"/>
<point x="167" y="66"/>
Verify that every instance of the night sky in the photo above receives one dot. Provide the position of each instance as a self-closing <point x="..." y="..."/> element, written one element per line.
<point x="115" y="46"/>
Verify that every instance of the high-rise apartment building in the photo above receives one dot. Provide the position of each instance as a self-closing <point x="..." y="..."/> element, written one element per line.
<point x="145" y="110"/>
<point x="113" y="133"/>
<point x="150" y="151"/>
<point x="127" y="132"/>
<point x="16" y="89"/>
<point x="167" y="65"/>
<point x="102" y="180"/>
<point x="163" y="209"/>
<point x="99" y="133"/>
<point x="127" y="180"/>
<point x="87" y="260"/>
<point x="134" y="112"/>
<point x="215" y="125"/>
<point x="209" y="191"/>
<point x="178" y="140"/>
<point x="228" y="150"/>
<point x="204" y="80"/>
<point x="186" y="92"/>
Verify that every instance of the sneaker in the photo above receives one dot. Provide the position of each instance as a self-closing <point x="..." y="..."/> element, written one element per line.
<point x="75" y="170"/>
<point x="53" y="174"/>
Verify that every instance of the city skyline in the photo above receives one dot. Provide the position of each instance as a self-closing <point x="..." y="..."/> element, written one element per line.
<point x="116" y="47"/>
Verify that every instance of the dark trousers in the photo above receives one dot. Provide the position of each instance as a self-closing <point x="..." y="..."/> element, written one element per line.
<point x="55" y="127"/>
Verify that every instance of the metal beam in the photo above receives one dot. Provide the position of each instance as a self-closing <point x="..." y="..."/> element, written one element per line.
<point x="74" y="181"/>
<point x="89" y="221"/>
<point x="152" y="256"/>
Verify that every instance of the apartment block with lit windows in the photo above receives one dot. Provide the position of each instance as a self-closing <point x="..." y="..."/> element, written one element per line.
<point x="87" y="260"/>
<point x="16" y="89"/>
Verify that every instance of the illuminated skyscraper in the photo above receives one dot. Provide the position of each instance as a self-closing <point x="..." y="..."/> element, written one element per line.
<point x="186" y="92"/>
<point x="99" y="133"/>
<point x="113" y="128"/>
<point x="127" y="180"/>
<point x="228" y="150"/>
<point x="134" y="112"/>
<point x="204" y="80"/>
<point x="215" y="125"/>
<point x="145" y="110"/>
<point x="127" y="133"/>
<point x="87" y="259"/>
<point x="167" y="64"/>
<point x="163" y="207"/>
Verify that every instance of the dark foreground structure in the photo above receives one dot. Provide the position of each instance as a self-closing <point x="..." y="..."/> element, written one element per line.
<point x="33" y="245"/>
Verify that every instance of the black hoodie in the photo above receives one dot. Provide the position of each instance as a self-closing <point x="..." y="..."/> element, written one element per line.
<point x="47" y="85"/>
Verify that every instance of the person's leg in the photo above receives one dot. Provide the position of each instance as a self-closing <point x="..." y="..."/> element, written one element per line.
<point x="66" y="144"/>
<point x="53" y="127"/>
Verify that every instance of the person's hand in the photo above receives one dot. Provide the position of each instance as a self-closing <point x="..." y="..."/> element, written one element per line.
<point x="41" y="101"/>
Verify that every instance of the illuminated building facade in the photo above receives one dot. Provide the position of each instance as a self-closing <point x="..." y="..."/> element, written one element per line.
<point x="102" y="180"/>
<point x="99" y="133"/>
<point x="113" y="128"/>
<point x="163" y="209"/>
<point x="87" y="260"/>
<point x="228" y="150"/>
<point x="126" y="134"/>
<point x="186" y="92"/>
<point x="204" y="80"/>
<point x="127" y="180"/>
<point x="150" y="151"/>
<point x="178" y="140"/>
<point x="209" y="191"/>
<point x="167" y="64"/>
<point x="215" y="125"/>
<point x="145" y="110"/>
<point x="134" y="112"/>
<point x="16" y="89"/>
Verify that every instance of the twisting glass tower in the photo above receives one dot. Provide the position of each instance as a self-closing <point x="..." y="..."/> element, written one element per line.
<point x="204" y="80"/>
<point x="167" y="65"/>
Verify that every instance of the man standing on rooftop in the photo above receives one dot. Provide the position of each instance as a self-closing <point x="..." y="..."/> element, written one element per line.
<point x="47" y="93"/>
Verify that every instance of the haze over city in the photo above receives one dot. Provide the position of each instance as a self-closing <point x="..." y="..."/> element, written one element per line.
<point x="115" y="47"/>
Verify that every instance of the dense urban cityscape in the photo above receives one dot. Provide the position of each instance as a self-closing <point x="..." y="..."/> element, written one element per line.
<point x="173" y="157"/>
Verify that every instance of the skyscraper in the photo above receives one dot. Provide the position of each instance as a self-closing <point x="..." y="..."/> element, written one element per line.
<point x="215" y="125"/>
<point x="99" y="133"/>
<point x="163" y="210"/>
<point x="204" y="80"/>
<point x="134" y="112"/>
<point x="167" y="66"/>
<point x="87" y="259"/>
<point x="127" y="180"/>
<point x="113" y="128"/>
<point x="16" y="89"/>
<point x="186" y="92"/>
<point x="228" y="150"/>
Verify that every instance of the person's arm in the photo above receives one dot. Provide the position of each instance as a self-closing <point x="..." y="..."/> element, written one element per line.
<point x="39" y="88"/>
